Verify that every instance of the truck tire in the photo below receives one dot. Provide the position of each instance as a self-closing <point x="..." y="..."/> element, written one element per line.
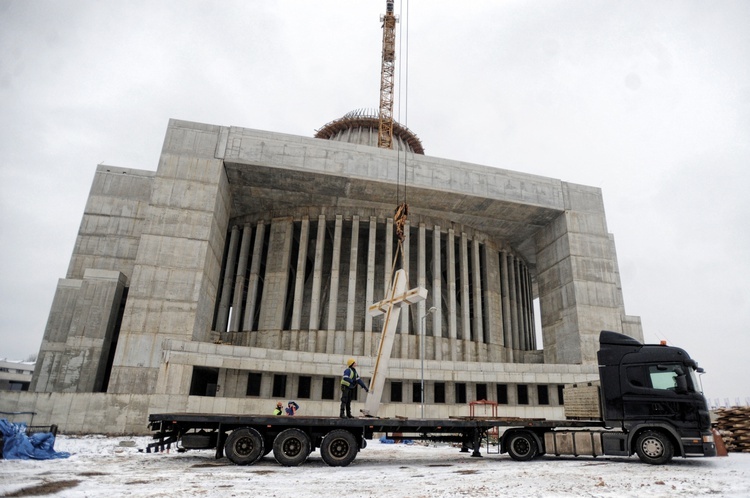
<point x="654" y="447"/>
<point x="291" y="447"/>
<point x="522" y="446"/>
<point x="339" y="448"/>
<point x="244" y="446"/>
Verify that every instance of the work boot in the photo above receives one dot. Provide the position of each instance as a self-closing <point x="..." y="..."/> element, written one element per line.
<point x="341" y="414"/>
<point x="349" y="415"/>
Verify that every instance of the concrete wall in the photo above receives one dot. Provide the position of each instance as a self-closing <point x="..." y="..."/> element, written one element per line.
<point x="174" y="284"/>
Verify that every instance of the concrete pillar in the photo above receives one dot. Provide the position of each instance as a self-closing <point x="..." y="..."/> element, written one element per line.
<point x="335" y="272"/>
<point x="477" y="289"/>
<point x="465" y="307"/>
<point x="317" y="274"/>
<point x="453" y="315"/>
<point x="405" y="313"/>
<point x="507" y="323"/>
<point x="388" y="263"/>
<point x="422" y="282"/>
<point x="299" y="283"/>
<point x="276" y="281"/>
<point x="226" y="289"/>
<point x="370" y="292"/>
<point x="252" y="283"/>
<point x="513" y="302"/>
<point x="437" y="293"/>
<point x="528" y="323"/>
<point x="351" y="299"/>
<point x="492" y="296"/>
<point x="239" y="279"/>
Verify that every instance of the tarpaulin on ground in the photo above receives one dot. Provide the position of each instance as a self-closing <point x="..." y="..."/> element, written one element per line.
<point x="19" y="445"/>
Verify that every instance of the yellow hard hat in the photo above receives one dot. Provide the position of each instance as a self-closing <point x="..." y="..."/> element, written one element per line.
<point x="350" y="362"/>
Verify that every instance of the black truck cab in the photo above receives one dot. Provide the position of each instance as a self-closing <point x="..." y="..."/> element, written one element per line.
<point x="647" y="388"/>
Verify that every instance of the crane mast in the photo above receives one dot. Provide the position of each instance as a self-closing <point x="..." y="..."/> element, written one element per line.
<point x="387" y="70"/>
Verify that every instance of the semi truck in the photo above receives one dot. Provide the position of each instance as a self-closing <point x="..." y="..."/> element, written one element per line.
<point x="648" y="402"/>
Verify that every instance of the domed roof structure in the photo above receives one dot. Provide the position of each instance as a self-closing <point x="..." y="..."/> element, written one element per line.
<point x="361" y="127"/>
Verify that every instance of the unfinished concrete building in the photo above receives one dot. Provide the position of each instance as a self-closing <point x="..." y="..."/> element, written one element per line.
<point x="240" y="271"/>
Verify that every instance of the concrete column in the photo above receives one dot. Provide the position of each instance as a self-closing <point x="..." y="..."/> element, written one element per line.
<point x="299" y="283"/>
<point x="465" y="307"/>
<point x="239" y="279"/>
<point x="453" y="316"/>
<point x="317" y="274"/>
<point x="351" y="299"/>
<point x="507" y="328"/>
<point x="437" y="293"/>
<point x="335" y="272"/>
<point x="522" y="306"/>
<point x="532" y="322"/>
<point x="226" y="289"/>
<point x="514" y="302"/>
<point x="526" y="308"/>
<point x="276" y="280"/>
<point x="388" y="263"/>
<point x="370" y="292"/>
<point x="491" y="293"/>
<point x="252" y="283"/>
<point x="477" y="285"/>
<point x="422" y="282"/>
<point x="405" y="313"/>
<point x="530" y="309"/>
<point x="333" y="297"/>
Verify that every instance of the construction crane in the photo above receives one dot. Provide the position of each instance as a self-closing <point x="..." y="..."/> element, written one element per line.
<point x="385" y="125"/>
<point x="387" y="70"/>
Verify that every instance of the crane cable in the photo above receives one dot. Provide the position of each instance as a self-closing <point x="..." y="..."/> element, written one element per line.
<point x="402" y="209"/>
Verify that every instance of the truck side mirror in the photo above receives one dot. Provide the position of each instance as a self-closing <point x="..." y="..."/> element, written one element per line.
<point x="681" y="383"/>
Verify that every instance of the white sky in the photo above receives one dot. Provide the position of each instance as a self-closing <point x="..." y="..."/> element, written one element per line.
<point x="648" y="100"/>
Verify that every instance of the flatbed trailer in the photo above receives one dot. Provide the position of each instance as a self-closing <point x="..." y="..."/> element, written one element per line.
<point x="244" y="439"/>
<point x="648" y="403"/>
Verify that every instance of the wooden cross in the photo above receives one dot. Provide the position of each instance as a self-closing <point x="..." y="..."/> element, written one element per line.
<point x="391" y="308"/>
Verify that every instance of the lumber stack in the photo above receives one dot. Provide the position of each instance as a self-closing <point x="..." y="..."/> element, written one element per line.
<point x="734" y="426"/>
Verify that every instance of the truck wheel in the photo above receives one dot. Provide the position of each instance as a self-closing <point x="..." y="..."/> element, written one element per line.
<point x="244" y="446"/>
<point x="339" y="448"/>
<point x="654" y="447"/>
<point x="522" y="446"/>
<point x="291" y="447"/>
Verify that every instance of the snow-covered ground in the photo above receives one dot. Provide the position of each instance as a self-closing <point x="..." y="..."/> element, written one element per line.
<point x="101" y="466"/>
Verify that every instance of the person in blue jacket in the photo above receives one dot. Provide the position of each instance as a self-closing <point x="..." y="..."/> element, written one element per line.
<point x="291" y="408"/>
<point x="349" y="383"/>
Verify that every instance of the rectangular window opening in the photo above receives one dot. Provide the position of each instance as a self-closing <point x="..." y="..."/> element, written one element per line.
<point x="253" y="383"/>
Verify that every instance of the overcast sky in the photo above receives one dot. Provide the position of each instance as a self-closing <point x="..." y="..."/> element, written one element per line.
<point x="648" y="100"/>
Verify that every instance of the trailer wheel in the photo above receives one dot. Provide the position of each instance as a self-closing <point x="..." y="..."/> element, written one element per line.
<point x="339" y="448"/>
<point x="291" y="447"/>
<point x="654" y="447"/>
<point x="244" y="446"/>
<point x="522" y="446"/>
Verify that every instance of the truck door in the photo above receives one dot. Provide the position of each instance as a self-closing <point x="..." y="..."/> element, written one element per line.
<point x="656" y="392"/>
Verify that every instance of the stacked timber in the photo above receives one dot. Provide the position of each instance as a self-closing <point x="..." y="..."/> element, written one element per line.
<point x="582" y="401"/>
<point x="734" y="426"/>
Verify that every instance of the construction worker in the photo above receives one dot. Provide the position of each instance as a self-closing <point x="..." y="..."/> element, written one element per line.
<point x="279" y="410"/>
<point x="291" y="408"/>
<point x="349" y="383"/>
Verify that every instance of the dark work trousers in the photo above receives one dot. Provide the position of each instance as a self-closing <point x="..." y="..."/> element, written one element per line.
<point x="347" y="394"/>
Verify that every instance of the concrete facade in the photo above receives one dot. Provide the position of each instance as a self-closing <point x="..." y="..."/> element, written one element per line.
<point x="240" y="271"/>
